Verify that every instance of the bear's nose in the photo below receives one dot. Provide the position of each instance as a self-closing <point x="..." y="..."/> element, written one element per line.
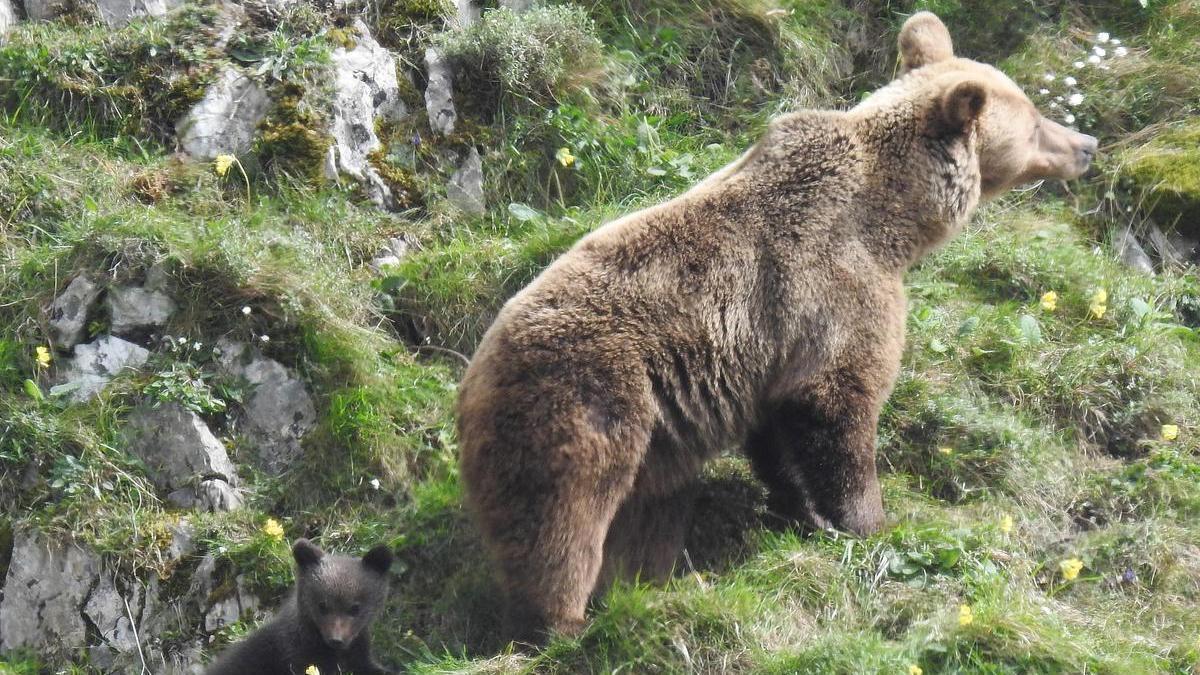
<point x="336" y="642"/>
<point x="1088" y="147"/>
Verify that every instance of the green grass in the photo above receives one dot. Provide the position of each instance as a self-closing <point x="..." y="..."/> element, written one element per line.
<point x="1017" y="436"/>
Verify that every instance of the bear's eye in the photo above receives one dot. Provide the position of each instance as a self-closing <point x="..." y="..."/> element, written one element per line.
<point x="323" y="607"/>
<point x="355" y="609"/>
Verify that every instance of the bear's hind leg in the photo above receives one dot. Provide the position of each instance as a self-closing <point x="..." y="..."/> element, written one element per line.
<point x="816" y="453"/>
<point x="646" y="536"/>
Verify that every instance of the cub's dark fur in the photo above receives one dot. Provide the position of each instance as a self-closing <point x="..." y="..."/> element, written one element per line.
<point x="324" y="623"/>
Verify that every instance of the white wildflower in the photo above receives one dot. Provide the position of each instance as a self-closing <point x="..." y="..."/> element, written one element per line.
<point x="1053" y="105"/>
<point x="1043" y="92"/>
<point x="1079" y="64"/>
<point x="1070" y="81"/>
<point x="1049" y="77"/>
<point x="1099" y="51"/>
<point x="1075" y="99"/>
<point x="1115" y="42"/>
<point x="246" y="310"/>
<point x="1120" y="51"/>
<point x="1101" y="37"/>
<point x="1058" y="98"/>
<point x="374" y="483"/>
<point x="1093" y="59"/>
<point x="264" y="338"/>
<point x="1069" y="118"/>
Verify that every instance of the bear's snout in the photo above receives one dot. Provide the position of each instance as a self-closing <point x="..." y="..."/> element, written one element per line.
<point x="1087" y="147"/>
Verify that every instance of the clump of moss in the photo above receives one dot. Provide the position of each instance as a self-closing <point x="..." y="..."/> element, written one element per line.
<point x="513" y="60"/>
<point x="403" y="24"/>
<point x="401" y="181"/>
<point x="134" y="81"/>
<point x="1166" y="171"/>
<point x="293" y="139"/>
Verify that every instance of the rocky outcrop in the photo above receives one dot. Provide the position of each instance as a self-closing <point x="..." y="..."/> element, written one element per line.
<point x="68" y="314"/>
<point x="391" y="254"/>
<point x="8" y="17"/>
<point x="133" y="309"/>
<point x="95" y="364"/>
<point x="365" y="90"/>
<point x="1132" y="254"/>
<point x="184" y="459"/>
<point x="278" y="412"/>
<point x="224" y="121"/>
<point x="465" y="189"/>
<point x="439" y="93"/>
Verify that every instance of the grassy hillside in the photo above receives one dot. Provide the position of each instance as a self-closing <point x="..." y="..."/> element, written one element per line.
<point x="1039" y="455"/>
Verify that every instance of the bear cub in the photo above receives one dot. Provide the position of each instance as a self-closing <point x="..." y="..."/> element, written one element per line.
<point x="324" y="623"/>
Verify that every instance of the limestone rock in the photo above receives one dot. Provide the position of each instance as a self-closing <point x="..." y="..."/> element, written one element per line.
<point x="220" y="603"/>
<point x="465" y="189"/>
<point x="365" y="90"/>
<point x="517" y="5"/>
<point x="223" y="122"/>
<point x="184" y="458"/>
<point x="95" y="363"/>
<point x="391" y="254"/>
<point x="439" y="93"/>
<point x="46" y="587"/>
<point x="466" y="12"/>
<point x="8" y="17"/>
<point x="279" y="411"/>
<point x="69" y="311"/>
<point x="132" y="308"/>
<point x="42" y="10"/>
<point x="1132" y="254"/>
<point x="117" y="13"/>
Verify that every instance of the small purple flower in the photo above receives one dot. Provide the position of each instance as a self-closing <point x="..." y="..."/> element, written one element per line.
<point x="416" y="140"/>
<point x="1129" y="576"/>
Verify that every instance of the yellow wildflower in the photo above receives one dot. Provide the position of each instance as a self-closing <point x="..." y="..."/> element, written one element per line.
<point x="1070" y="568"/>
<point x="1006" y="524"/>
<point x="1050" y="301"/>
<point x="914" y="669"/>
<point x="273" y="529"/>
<point x="1099" y="304"/>
<point x="965" y="615"/>
<point x="1169" y="431"/>
<point x="222" y="163"/>
<point x="946" y="451"/>
<point x="564" y="156"/>
<point x="312" y="670"/>
<point x="43" y="356"/>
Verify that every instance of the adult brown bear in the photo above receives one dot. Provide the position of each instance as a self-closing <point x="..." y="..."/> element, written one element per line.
<point x="764" y="307"/>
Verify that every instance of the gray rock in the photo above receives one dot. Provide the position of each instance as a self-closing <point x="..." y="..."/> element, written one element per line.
<point x="8" y="17"/>
<point x="279" y="411"/>
<point x="466" y="12"/>
<point x="47" y="585"/>
<point x="222" y="604"/>
<point x="517" y="5"/>
<point x="391" y="254"/>
<point x="94" y="364"/>
<point x="365" y="90"/>
<point x="132" y="309"/>
<point x="183" y="457"/>
<point x="183" y="540"/>
<point x="1132" y="254"/>
<point x="465" y="189"/>
<point x="68" y="313"/>
<point x="223" y="122"/>
<point x="1173" y="248"/>
<point x="116" y="13"/>
<point x="439" y="93"/>
<point x="42" y="10"/>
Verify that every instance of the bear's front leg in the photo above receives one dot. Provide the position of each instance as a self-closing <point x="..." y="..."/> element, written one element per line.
<point x="815" y="450"/>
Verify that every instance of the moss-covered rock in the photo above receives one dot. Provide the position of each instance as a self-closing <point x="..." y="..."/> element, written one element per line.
<point x="294" y="138"/>
<point x="1166" y="172"/>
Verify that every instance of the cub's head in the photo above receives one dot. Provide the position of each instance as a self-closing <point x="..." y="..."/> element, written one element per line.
<point x="1016" y="144"/>
<point x="338" y="594"/>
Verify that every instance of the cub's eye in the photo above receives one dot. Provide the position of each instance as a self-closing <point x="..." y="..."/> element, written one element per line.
<point x="323" y="607"/>
<point x="355" y="609"/>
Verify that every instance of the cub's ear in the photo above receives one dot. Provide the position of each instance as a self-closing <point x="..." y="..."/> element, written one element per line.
<point x="306" y="553"/>
<point x="923" y="40"/>
<point x="378" y="559"/>
<point x="960" y="106"/>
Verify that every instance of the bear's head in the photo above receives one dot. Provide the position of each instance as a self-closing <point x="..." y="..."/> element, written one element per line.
<point x="340" y="595"/>
<point x="1016" y="143"/>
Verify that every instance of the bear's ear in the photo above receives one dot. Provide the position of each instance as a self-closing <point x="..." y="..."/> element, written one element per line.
<point x="923" y="40"/>
<point x="378" y="559"/>
<point x="960" y="106"/>
<point x="306" y="553"/>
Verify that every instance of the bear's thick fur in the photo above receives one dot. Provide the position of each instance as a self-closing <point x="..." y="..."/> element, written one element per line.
<point x="763" y="308"/>
<point x="325" y="623"/>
